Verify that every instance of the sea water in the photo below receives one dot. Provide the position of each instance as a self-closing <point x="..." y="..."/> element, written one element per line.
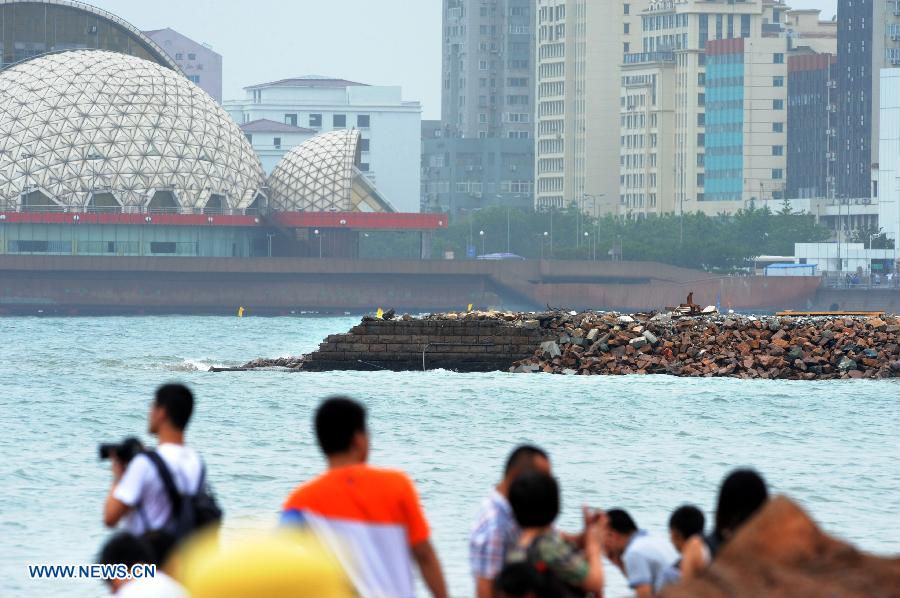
<point x="647" y="444"/>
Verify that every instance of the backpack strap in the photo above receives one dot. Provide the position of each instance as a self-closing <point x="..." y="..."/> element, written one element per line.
<point x="168" y="482"/>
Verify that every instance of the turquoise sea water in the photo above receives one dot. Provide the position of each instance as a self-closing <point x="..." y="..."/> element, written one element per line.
<point x="644" y="443"/>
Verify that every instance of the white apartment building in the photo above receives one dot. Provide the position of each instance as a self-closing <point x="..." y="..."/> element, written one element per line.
<point x="579" y="46"/>
<point x="390" y="126"/>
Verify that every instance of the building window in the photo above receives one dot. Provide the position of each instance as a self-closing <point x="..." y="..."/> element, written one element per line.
<point x="778" y="127"/>
<point x="362" y="121"/>
<point x="339" y="121"/>
<point x="290" y="119"/>
<point x="315" y="120"/>
<point x="777" y="81"/>
<point x="179" y="56"/>
<point x="192" y="57"/>
<point x="777" y="104"/>
<point x="701" y="139"/>
<point x="249" y="137"/>
<point x="195" y="79"/>
<point x="777" y="150"/>
<point x="277" y="142"/>
<point x="364" y="166"/>
<point x="778" y="58"/>
<point x="777" y="174"/>
<point x="364" y="145"/>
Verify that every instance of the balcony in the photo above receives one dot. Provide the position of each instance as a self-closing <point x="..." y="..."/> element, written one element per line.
<point x="649" y="57"/>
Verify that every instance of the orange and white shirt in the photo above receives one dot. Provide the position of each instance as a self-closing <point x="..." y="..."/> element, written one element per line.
<point x="369" y="518"/>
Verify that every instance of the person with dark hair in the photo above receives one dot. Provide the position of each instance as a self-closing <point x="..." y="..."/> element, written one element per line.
<point x="129" y="550"/>
<point x="534" y="498"/>
<point x="139" y="497"/>
<point x="370" y="518"/>
<point x="495" y="528"/>
<point x="523" y="580"/>
<point x="686" y="522"/>
<point x="641" y="557"/>
<point x="742" y="493"/>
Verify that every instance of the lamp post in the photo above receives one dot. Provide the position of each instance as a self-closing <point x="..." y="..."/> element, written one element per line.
<point x="587" y="241"/>
<point x="543" y="239"/>
<point x="316" y="233"/>
<point x="481" y="234"/>
<point x="270" y="235"/>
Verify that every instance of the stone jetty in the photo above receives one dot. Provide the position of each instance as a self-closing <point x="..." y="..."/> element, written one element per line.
<point x="702" y="343"/>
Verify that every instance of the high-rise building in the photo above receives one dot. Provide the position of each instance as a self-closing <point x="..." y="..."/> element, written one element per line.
<point x="889" y="152"/>
<point x="868" y="40"/>
<point x="579" y="45"/>
<point x="703" y="104"/>
<point x="390" y="146"/>
<point x="198" y="61"/>
<point x="461" y="174"/>
<point x="488" y="68"/>
<point x="810" y="125"/>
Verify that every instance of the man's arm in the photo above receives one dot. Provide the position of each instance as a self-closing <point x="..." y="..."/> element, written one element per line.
<point x="114" y="509"/>
<point x="484" y="587"/>
<point x="693" y="558"/>
<point x="643" y="591"/>
<point x="430" y="567"/>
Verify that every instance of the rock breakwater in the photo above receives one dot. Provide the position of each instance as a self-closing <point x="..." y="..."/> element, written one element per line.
<point x="701" y="343"/>
<point x="788" y="347"/>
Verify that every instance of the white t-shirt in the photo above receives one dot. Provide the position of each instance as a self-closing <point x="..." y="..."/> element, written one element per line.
<point x="159" y="586"/>
<point x="142" y="489"/>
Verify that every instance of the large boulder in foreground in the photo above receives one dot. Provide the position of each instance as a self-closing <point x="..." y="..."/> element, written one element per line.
<point x="781" y="552"/>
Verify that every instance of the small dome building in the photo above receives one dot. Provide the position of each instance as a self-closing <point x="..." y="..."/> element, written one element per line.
<point x="100" y="131"/>
<point x="322" y="175"/>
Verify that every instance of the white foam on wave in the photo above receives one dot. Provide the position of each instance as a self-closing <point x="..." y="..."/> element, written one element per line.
<point x="195" y="365"/>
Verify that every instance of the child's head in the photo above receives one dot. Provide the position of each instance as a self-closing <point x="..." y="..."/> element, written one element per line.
<point x="534" y="498"/>
<point x="686" y="521"/>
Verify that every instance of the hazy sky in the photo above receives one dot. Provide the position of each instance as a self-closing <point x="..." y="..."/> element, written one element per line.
<point x="387" y="42"/>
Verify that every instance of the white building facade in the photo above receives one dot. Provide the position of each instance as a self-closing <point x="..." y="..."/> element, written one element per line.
<point x="889" y="155"/>
<point x="390" y="127"/>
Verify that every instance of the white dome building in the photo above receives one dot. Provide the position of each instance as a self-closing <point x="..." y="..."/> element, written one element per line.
<point x="322" y="175"/>
<point x="92" y="130"/>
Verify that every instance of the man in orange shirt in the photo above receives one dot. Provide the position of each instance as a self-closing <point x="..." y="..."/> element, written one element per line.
<point x="370" y="518"/>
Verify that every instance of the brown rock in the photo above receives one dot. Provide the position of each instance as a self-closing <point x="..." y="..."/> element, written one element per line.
<point x="781" y="553"/>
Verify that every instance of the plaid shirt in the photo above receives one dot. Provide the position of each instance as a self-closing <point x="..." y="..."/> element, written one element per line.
<point x="494" y="533"/>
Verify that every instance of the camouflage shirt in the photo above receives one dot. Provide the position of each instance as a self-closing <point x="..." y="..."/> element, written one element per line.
<point x="558" y="556"/>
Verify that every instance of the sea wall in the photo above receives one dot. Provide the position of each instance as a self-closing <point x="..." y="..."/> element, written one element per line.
<point x="589" y="343"/>
<point x="467" y="344"/>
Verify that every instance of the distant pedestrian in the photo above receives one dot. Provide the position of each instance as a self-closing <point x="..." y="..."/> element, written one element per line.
<point x="370" y="518"/>
<point x="496" y="529"/>
<point x="685" y="525"/>
<point x="741" y="495"/>
<point x="566" y="568"/>
<point x="641" y="557"/>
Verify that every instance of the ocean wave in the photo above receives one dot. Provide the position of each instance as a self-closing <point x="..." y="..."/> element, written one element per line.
<point x="194" y="365"/>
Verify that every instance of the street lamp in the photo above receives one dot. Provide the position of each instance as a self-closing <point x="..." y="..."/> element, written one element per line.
<point x="543" y="239"/>
<point x="481" y="234"/>
<point x="316" y="233"/>
<point x="587" y="241"/>
<point x="270" y="235"/>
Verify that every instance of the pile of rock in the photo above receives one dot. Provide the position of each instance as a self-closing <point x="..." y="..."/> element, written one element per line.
<point x="290" y="362"/>
<point x="800" y="348"/>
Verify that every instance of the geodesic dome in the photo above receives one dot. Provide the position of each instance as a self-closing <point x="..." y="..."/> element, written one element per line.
<point x="322" y="175"/>
<point x="91" y="129"/>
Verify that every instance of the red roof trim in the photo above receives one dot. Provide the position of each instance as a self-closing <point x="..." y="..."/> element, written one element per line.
<point x="348" y="220"/>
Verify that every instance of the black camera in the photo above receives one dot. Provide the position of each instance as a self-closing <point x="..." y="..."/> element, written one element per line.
<point x="125" y="451"/>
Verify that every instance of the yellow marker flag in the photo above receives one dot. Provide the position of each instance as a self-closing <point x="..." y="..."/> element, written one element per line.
<point x="469" y="308"/>
<point x="240" y="311"/>
<point x="380" y="313"/>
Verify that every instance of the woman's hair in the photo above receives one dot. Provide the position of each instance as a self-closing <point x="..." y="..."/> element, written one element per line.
<point x="742" y="493"/>
<point x="534" y="498"/>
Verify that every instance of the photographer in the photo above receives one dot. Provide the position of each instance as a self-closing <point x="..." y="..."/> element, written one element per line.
<point x="146" y="486"/>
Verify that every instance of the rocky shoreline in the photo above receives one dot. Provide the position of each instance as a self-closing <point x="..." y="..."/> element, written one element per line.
<point x="677" y="343"/>
<point x="770" y="347"/>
